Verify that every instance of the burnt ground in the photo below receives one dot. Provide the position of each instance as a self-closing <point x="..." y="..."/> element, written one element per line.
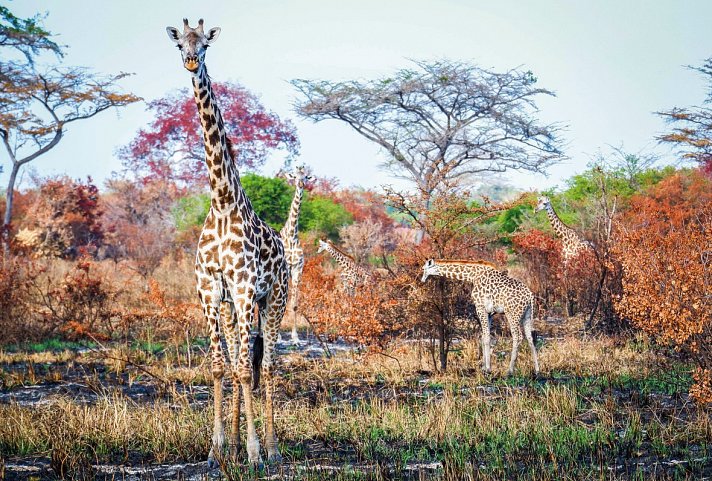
<point x="87" y="381"/>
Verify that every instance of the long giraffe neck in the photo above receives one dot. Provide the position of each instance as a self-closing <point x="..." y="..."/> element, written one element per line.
<point x="290" y="231"/>
<point x="561" y="229"/>
<point x="342" y="259"/>
<point x="225" y="187"/>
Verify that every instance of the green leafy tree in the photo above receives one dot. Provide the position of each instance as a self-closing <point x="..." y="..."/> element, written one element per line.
<point x="271" y="198"/>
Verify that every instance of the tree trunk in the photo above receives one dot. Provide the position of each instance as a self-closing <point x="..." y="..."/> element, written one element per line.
<point x="9" y="197"/>
<point x="442" y="345"/>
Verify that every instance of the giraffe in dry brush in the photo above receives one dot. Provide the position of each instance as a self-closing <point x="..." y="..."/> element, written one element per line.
<point x="572" y="244"/>
<point x="492" y="291"/>
<point x="352" y="274"/>
<point x="240" y="262"/>
<point x="292" y="248"/>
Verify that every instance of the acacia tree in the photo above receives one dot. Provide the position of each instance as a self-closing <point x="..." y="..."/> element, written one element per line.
<point x="441" y="121"/>
<point x="36" y="106"/>
<point x="692" y="126"/>
<point x="171" y="147"/>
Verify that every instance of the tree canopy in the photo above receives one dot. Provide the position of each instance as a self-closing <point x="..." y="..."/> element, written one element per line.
<point x="692" y="126"/>
<point x="171" y="146"/>
<point x="441" y="121"/>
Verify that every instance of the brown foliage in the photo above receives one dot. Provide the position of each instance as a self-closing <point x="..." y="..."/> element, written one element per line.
<point x="369" y="318"/>
<point x="66" y="219"/>
<point x="17" y="276"/>
<point x="541" y="256"/>
<point x="665" y="247"/>
<point x="82" y="305"/>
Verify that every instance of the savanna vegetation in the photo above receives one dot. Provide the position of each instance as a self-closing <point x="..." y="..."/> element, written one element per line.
<point x="103" y="348"/>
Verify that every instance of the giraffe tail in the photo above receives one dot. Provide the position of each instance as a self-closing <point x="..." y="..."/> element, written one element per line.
<point x="257" y="354"/>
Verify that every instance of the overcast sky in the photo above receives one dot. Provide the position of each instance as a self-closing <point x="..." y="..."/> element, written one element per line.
<point x="611" y="63"/>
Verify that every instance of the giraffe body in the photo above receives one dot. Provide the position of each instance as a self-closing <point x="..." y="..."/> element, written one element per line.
<point x="572" y="244"/>
<point x="292" y="248"/>
<point x="240" y="263"/>
<point x="492" y="292"/>
<point x="352" y="275"/>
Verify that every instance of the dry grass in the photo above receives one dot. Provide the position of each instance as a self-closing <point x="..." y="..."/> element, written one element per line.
<point x="600" y="405"/>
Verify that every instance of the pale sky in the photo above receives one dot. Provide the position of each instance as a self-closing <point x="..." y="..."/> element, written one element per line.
<point x="611" y="63"/>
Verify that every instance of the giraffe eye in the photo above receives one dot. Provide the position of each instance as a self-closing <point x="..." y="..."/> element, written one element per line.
<point x="180" y="47"/>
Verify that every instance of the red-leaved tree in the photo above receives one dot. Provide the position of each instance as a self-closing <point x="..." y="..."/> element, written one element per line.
<point x="171" y="147"/>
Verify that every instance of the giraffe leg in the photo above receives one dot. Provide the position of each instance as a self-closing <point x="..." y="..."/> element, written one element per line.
<point x="243" y="370"/>
<point x="273" y="313"/>
<point x="528" y="325"/>
<point x="229" y="317"/>
<point x="294" y="299"/>
<point x="210" y="303"/>
<point x="516" y="340"/>
<point x="484" y="317"/>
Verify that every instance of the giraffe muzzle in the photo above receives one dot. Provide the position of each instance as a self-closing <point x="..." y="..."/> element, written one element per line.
<point x="191" y="63"/>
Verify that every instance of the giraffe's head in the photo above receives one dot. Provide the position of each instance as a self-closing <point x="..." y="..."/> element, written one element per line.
<point x="193" y="43"/>
<point x="543" y="203"/>
<point x="299" y="177"/>
<point x="322" y="246"/>
<point x="430" y="268"/>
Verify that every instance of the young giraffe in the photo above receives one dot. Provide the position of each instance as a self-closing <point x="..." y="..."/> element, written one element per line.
<point x="572" y="244"/>
<point x="240" y="262"/>
<point x="352" y="274"/>
<point x="292" y="248"/>
<point x="492" y="291"/>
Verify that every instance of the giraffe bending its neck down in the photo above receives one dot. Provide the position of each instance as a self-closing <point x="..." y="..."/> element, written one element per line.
<point x="572" y="244"/>
<point x="492" y="291"/>
<point x="352" y="274"/>
<point x="292" y="248"/>
<point x="240" y="262"/>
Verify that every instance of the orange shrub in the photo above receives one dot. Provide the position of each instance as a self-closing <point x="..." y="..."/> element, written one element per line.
<point x="369" y="318"/>
<point x="665" y="246"/>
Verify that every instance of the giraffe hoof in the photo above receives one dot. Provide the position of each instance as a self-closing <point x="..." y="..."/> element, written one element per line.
<point x="234" y="452"/>
<point x="274" y="458"/>
<point x="212" y="462"/>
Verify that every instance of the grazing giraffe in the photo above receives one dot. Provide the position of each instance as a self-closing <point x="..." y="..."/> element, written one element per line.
<point x="240" y="262"/>
<point x="352" y="274"/>
<point x="292" y="248"/>
<point x="572" y="244"/>
<point x="492" y="291"/>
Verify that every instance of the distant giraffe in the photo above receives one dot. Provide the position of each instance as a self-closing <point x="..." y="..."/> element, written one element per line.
<point x="492" y="292"/>
<point x="240" y="262"/>
<point x="352" y="274"/>
<point x="572" y="244"/>
<point x="292" y="248"/>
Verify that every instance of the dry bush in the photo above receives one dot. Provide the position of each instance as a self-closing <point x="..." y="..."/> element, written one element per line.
<point x="17" y="277"/>
<point x="541" y="256"/>
<point x="369" y="318"/>
<point x="81" y="305"/>
<point x="65" y="220"/>
<point x="665" y="248"/>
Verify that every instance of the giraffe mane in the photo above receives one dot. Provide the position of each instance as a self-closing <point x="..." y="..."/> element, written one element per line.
<point x="466" y="262"/>
<point x="340" y="251"/>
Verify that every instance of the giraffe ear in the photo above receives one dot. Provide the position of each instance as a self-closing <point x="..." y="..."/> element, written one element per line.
<point x="172" y="33"/>
<point x="213" y="34"/>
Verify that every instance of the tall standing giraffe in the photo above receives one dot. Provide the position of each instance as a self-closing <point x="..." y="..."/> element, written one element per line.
<point x="492" y="291"/>
<point x="292" y="248"/>
<point x="240" y="262"/>
<point x="352" y="274"/>
<point x="572" y="244"/>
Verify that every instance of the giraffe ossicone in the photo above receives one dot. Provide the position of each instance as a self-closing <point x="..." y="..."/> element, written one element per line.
<point x="239" y="263"/>
<point x="492" y="292"/>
